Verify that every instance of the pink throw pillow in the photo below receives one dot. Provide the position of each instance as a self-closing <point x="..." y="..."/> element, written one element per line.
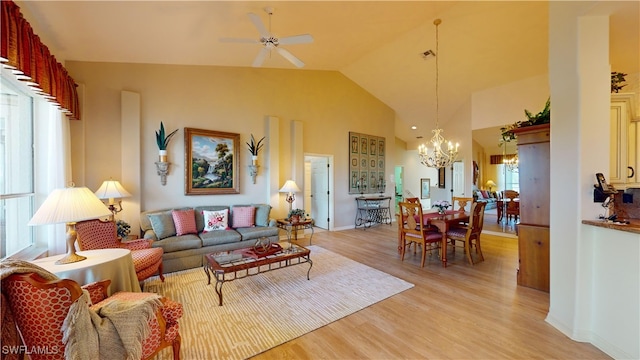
<point x="216" y="220"/>
<point x="185" y="221"/>
<point x="243" y="216"/>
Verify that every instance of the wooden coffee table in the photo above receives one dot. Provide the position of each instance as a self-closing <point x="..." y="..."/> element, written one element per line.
<point x="238" y="264"/>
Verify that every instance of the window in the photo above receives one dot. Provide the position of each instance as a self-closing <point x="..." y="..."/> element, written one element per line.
<point x="16" y="167"/>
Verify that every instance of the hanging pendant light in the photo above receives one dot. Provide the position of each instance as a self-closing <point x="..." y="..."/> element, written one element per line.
<point x="434" y="155"/>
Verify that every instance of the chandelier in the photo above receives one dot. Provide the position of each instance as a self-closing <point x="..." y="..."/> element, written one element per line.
<point x="511" y="163"/>
<point x="435" y="156"/>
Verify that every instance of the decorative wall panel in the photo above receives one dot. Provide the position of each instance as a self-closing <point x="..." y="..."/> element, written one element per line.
<point x="367" y="163"/>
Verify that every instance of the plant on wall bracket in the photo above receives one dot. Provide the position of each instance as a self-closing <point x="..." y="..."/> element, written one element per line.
<point x="617" y="79"/>
<point x="543" y="117"/>
<point x="254" y="147"/>
<point x="163" y="140"/>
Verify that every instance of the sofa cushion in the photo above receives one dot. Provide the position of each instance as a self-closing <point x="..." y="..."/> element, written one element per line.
<point x="243" y="216"/>
<point x="215" y="220"/>
<point x="178" y="243"/>
<point x="200" y="218"/>
<point x="217" y="237"/>
<point x="162" y="224"/>
<point x="257" y="232"/>
<point x="184" y="221"/>
<point x="262" y="214"/>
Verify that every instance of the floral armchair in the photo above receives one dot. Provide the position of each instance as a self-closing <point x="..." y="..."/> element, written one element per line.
<point x="98" y="234"/>
<point x="48" y="315"/>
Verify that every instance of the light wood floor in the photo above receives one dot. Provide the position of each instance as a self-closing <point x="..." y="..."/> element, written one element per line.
<point x="458" y="312"/>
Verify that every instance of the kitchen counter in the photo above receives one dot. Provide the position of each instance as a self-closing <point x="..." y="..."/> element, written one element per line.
<point x="632" y="227"/>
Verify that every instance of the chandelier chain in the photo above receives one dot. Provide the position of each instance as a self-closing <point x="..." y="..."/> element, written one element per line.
<point x="438" y="157"/>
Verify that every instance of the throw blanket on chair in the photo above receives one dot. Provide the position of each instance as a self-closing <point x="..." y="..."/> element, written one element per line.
<point x="115" y="331"/>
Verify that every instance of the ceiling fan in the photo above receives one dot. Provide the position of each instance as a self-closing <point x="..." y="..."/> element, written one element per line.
<point x="270" y="42"/>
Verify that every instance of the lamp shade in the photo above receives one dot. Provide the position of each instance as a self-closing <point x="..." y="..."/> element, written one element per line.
<point x="70" y="204"/>
<point x="490" y="183"/>
<point x="290" y="187"/>
<point x="111" y="189"/>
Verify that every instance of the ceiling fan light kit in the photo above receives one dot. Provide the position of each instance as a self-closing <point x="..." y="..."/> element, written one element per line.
<point x="270" y="42"/>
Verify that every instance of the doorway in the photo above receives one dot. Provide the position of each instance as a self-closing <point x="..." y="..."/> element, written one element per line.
<point x="318" y="190"/>
<point x="457" y="179"/>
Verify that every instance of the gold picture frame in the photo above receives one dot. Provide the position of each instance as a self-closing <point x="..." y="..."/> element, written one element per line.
<point x="211" y="162"/>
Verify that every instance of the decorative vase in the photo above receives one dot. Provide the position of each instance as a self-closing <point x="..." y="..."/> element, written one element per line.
<point x="294" y="219"/>
<point x="163" y="155"/>
<point x="441" y="211"/>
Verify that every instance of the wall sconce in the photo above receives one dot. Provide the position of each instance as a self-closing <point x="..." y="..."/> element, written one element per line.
<point x="163" y="170"/>
<point x="111" y="189"/>
<point x="290" y="188"/>
<point x="253" y="170"/>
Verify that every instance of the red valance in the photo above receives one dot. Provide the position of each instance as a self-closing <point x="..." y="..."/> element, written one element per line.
<point x="22" y="51"/>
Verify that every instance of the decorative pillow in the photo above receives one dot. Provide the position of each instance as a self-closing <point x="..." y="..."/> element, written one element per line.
<point x="484" y="194"/>
<point x="184" y="221"/>
<point x="162" y="224"/>
<point x="262" y="214"/>
<point x="243" y="216"/>
<point x="215" y="220"/>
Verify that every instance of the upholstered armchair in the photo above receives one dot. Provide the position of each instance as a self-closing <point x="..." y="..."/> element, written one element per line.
<point x="47" y="311"/>
<point x="98" y="234"/>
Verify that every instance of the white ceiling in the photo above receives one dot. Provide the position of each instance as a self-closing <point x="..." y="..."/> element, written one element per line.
<point x="377" y="44"/>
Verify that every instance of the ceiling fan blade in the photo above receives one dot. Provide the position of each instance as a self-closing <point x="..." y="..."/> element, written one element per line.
<point x="260" y="58"/>
<point x="296" y="39"/>
<point x="257" y="22"/>
<point x="239" y="40"/>
<point x="289" y="56"/>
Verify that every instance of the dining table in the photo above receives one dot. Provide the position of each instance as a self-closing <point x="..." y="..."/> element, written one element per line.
<point x="441" y="221"/>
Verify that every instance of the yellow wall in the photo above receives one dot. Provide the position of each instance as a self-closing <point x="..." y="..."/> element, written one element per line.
<point x="237" y="100"/>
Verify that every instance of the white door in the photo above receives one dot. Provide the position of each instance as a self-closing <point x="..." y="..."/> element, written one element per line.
<point x="458" y="179"/>
<point x="319" y="191"/>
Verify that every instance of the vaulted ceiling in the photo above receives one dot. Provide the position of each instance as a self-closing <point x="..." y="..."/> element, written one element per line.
<point x="377" y="44"/>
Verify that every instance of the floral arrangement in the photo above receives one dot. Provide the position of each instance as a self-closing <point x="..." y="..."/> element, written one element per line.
<point x="162" y="139"/>
<point x="254" y="147"/>
<point x="543" y="117"/>
<point x="442" y="205"/>
<point x="297" y="212"/>
<point x="123" y="228"/>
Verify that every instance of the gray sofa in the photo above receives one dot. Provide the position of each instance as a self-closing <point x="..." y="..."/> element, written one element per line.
<point x="491" y="199"/>
<point x="187" y="251"/>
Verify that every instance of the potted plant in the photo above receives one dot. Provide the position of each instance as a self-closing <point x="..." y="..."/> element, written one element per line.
<point x="295" y="215"/>
<point x="123" y="229"/>
<point x="254" y="148"/>
<point x="617" y="79"/>
<point x="543" y="117"/>
<point x="163" y="140"/>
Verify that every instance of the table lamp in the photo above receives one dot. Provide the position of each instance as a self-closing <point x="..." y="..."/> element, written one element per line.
<point x="490" y="184"/>
<point x="70" y="205"/>
<point x="290" y="188"/>
<point x="111" y="189"/>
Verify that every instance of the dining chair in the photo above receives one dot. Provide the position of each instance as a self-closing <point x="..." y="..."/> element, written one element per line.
<point x="42" y="309"/>
<point x="469" y="235"/>
<point x="460" y="202"/>
<point x="414" y="231"/>
<point x="97" y="234"/>
<point x="512" y="207"/>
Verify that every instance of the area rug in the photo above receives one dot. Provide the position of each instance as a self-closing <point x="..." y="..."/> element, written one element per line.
<point x="266" y="310"/>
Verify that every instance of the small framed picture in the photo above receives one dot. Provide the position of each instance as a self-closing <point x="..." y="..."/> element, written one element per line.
<point x="425" y="187"/>
<point x="441" y="184"/>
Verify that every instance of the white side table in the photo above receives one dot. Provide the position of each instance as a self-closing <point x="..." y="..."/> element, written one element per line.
<point x="114" y="264"/>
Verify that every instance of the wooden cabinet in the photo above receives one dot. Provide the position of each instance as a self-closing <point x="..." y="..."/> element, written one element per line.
<point x="624" y="134"/>
<point x="533" y="230"/>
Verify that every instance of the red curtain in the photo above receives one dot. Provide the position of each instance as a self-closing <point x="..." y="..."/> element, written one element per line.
<point x="22" y="51"/>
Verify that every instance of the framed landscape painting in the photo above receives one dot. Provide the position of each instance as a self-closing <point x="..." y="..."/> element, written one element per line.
<point x="211" y="162"/>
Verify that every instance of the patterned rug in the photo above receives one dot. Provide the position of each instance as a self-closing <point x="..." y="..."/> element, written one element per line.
<point x="264" y="311"/>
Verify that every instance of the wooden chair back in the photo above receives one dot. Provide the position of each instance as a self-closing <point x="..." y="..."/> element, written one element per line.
<point x="414" y="200"/>
<point x="460" y="203"/>
<point x="414" y="230"/>
<point x="511" y="194"/>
